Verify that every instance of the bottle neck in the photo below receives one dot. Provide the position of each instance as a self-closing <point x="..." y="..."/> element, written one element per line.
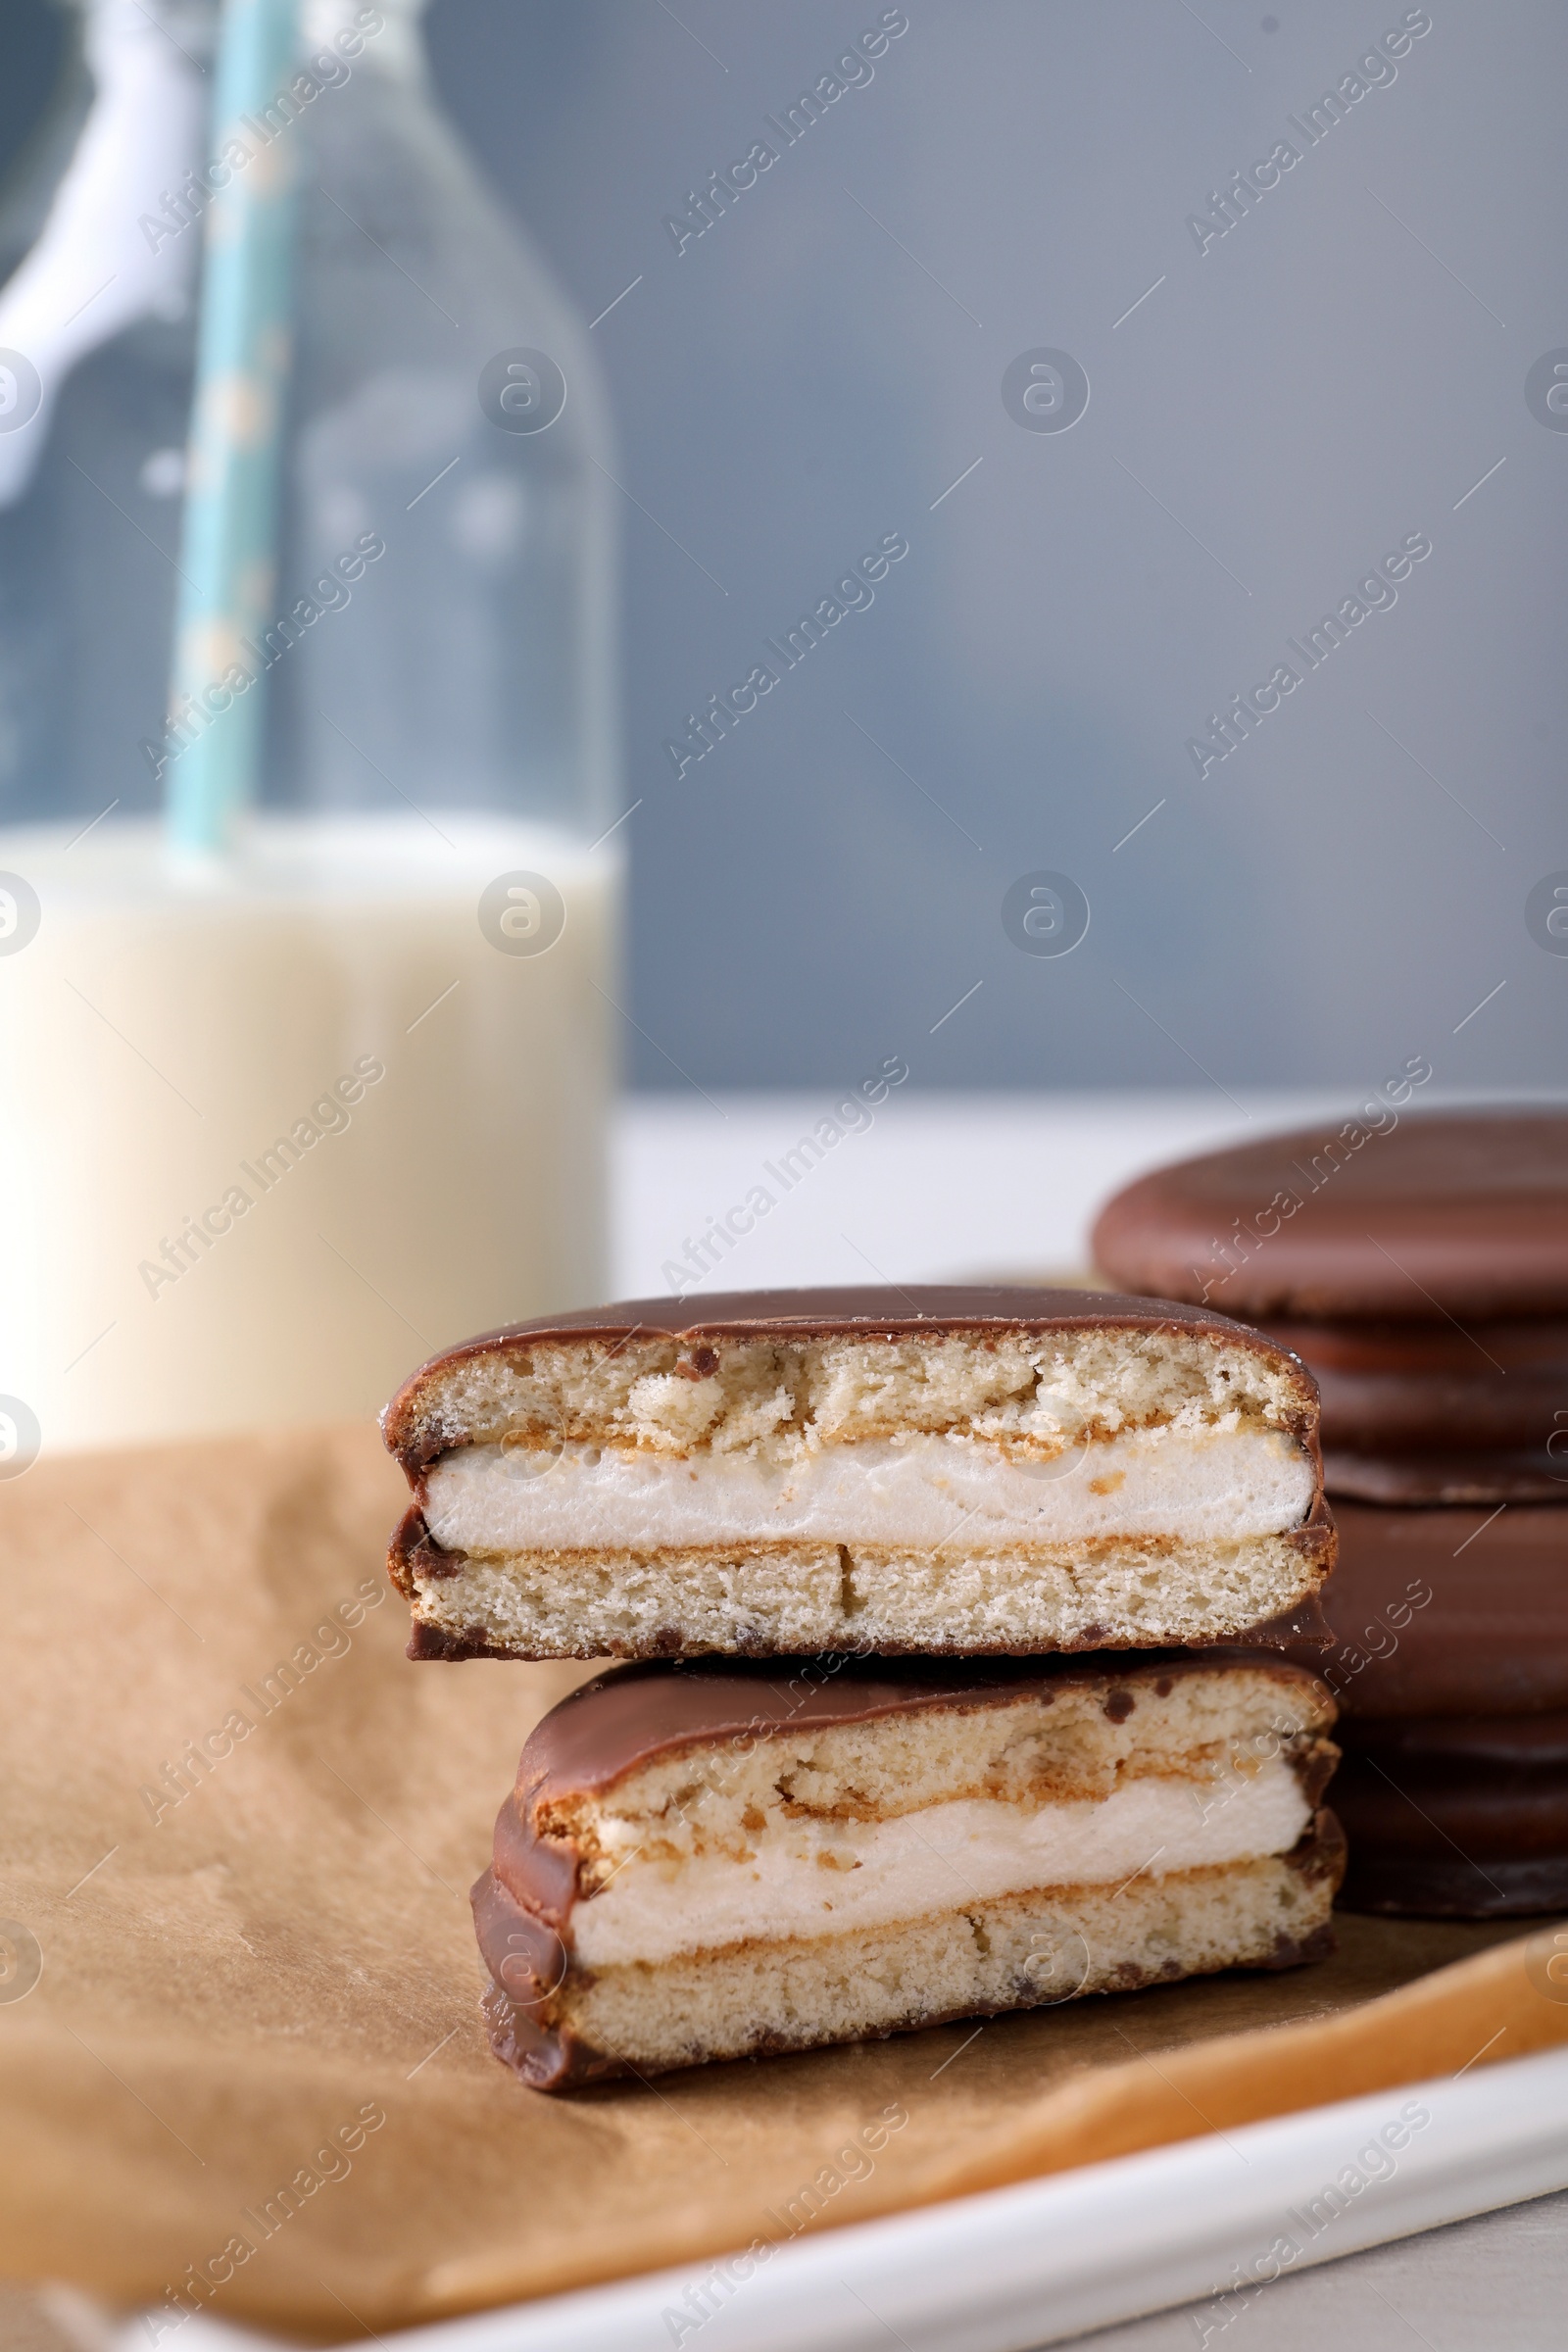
<point x="384" y="32"/>
<point x="388" y="29"/>
<point x="187" y="26"/>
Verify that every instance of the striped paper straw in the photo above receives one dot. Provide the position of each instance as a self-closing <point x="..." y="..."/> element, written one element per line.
<point x="228" y="553"/>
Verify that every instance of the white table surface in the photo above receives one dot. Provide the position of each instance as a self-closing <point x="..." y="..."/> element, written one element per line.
<point x="1498" y="2283"/>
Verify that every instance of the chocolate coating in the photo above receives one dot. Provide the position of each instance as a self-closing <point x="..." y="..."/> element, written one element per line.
<point x="1430" y="1412"/>
<point x="1444" y="1613"/>
<point x="1460" y="1213"/>
<point x="622" y="1720"/>
<point x="823" y="1314"/>
<point x="1388" y="1387"/>
<point x="1462" y="1817"/>
<point x="1518" y="1475"/>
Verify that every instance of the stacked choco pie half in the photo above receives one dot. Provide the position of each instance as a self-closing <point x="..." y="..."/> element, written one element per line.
<point x="958" y="1681"/>
<point x="1420" y="1266"/>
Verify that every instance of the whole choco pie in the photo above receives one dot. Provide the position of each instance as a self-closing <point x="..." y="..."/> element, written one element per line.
<point x="1420" y="1267"/>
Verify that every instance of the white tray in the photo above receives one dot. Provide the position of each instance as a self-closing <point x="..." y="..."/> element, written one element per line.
<point x="1022" y="2267"/>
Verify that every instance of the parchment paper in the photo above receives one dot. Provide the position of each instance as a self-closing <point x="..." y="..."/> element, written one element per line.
<point x="250" y="2076"/>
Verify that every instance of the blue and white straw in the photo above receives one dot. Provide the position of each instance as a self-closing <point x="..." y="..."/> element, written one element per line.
<point x="228" y="556"/>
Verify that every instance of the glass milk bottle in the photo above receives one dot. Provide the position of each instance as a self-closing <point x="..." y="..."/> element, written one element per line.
<point x="286" y="1115"/>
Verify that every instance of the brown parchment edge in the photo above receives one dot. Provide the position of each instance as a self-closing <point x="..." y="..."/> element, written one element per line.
<point x="1472" y="2013"/>
<point x="110" y="2210"/>
<point x="1476" y="2013"/>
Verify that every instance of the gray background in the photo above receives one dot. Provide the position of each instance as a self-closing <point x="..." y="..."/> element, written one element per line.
<point x="1278" y="414"/>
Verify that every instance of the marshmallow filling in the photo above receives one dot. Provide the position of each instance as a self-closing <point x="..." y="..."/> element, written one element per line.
<point x="820" y="1878"/>
<point x="921" y="1490"/>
